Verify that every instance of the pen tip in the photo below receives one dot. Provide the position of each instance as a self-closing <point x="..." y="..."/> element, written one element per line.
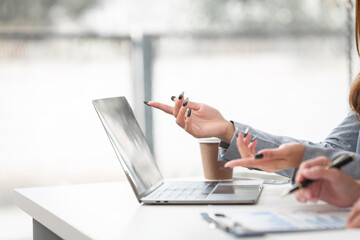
<point x="285" y="193"/>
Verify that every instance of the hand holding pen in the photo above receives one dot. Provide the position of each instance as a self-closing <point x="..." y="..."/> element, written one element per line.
<point x="321" y="180"/>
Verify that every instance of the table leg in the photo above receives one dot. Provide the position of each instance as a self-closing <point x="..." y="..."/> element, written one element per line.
<point x="40" y="232"/>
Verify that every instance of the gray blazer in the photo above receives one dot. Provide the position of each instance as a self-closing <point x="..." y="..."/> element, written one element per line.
<point x="344" y="138"/>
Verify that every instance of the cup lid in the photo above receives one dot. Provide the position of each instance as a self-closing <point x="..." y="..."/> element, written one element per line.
<point x="209" y="140"/>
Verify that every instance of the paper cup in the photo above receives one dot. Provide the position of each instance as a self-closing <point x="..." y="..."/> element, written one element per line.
<point x="211" y="166"/>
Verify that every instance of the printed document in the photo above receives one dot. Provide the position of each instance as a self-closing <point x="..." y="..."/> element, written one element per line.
<point x="289" y="219"/>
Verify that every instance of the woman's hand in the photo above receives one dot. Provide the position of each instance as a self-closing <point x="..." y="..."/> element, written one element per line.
<point x="353" y="220"/>
<point x="288" y="155"/>
<point x="332" y="185"/>
<point x="200" y="120"/>
<point x="246" y="145"/>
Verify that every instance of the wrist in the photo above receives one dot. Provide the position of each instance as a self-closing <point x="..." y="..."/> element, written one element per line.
<point x="228" y="132"/>
<point x="300" y="153"/>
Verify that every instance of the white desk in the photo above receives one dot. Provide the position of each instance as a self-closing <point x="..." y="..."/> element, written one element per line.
<point x="111" y="211"/>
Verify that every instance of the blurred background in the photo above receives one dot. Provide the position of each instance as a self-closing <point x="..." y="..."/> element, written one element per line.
<point x="281" y="66"/>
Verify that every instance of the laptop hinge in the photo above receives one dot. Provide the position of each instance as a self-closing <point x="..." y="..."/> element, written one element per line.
<point x="152" y="189"/>
<point x="133" y="186"/>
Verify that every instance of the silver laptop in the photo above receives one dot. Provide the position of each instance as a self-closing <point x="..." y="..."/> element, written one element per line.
<point x="144" y="175"/>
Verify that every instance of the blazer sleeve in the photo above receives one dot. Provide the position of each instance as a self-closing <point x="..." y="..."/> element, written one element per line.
<point x="344" y="138"/>
<point x="312" y="151"/>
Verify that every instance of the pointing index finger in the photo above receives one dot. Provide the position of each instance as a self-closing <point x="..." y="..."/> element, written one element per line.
<point x="166" y="108"/>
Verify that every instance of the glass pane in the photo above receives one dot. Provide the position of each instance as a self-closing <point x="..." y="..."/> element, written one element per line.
<point x="279" y="66"/>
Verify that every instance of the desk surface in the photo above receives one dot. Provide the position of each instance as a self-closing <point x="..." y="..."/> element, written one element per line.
<point x="111" y="211"/>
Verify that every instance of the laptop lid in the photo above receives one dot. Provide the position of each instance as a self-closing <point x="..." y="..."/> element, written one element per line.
<point x="129" y="144"/>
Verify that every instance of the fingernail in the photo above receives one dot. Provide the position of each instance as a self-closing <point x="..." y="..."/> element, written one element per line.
<point x="185" y="102"/>
<point x="246" y="132"/>
<point x="253" y="140"/>
<point x="189" y="112"/>
<point x="172" y="98"/>
<point x="259" y="156"/>
<point x="181" y="95"/>
<point x="147" y="103"/>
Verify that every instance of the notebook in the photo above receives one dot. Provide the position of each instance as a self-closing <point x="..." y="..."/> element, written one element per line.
<point x="144" y="175"/>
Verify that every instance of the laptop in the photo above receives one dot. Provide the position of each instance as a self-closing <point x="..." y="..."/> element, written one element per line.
<point x="144" y="175"/>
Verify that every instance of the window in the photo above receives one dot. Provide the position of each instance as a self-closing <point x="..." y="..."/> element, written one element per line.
<point x="279" y="66"/>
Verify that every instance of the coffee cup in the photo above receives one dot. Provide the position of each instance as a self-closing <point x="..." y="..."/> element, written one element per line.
<point x="213" y="169"/>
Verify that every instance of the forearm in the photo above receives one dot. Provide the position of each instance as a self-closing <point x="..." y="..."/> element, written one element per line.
<point x="343" y="138"/>
<point x="314" y="150"/>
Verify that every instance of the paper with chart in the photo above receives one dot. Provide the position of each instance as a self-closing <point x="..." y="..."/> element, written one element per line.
<point x="300" y="218"/>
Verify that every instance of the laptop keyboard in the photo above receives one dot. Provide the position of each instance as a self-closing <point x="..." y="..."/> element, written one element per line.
<point x="184" y="191"/>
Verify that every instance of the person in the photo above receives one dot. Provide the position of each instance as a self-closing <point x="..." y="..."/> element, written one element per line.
<point x="279" y="154"/>
<point x="285" y="154"/>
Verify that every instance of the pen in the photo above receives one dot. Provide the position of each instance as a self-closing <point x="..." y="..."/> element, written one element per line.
<point x="337" y="163"/>
<point x="222" y="221"/>
<point x="227" y="224"/>
<point x="217" y="223"/>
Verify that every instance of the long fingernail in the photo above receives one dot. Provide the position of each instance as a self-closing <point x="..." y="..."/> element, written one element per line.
<point x="147" y="103"/>
<point x="259" y="156"/>
<point x="185" y="102"/>
<point x="189" y="112"/>
<point x="253" y="140"/>
<point x="181" y="95"/>
<point x="246" y="132"/>
<point x="173" y="98"/>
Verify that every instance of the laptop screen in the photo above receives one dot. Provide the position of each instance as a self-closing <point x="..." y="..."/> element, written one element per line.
<point x="129" y="142"/>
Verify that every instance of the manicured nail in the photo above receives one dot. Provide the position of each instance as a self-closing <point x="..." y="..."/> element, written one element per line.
<point x="185" y="102"/>
<point x="189" y="112"/>
<point x="181" y="95"/>
<point x="173" y="98"/>
<point x="253" y="140"/>
<point x="220" y="215"/>
<point x="246" y="132"/>
<point x="259" y="156"/>
<point x="147" y="103"/>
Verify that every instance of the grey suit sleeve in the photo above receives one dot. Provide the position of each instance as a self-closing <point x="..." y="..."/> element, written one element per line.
<point x="352" y="169"/>
<point x="342" y="139"/>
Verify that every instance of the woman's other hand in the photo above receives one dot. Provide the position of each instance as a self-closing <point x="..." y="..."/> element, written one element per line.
<point x="246" y="145"/>
<point x="288" y="155"/>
